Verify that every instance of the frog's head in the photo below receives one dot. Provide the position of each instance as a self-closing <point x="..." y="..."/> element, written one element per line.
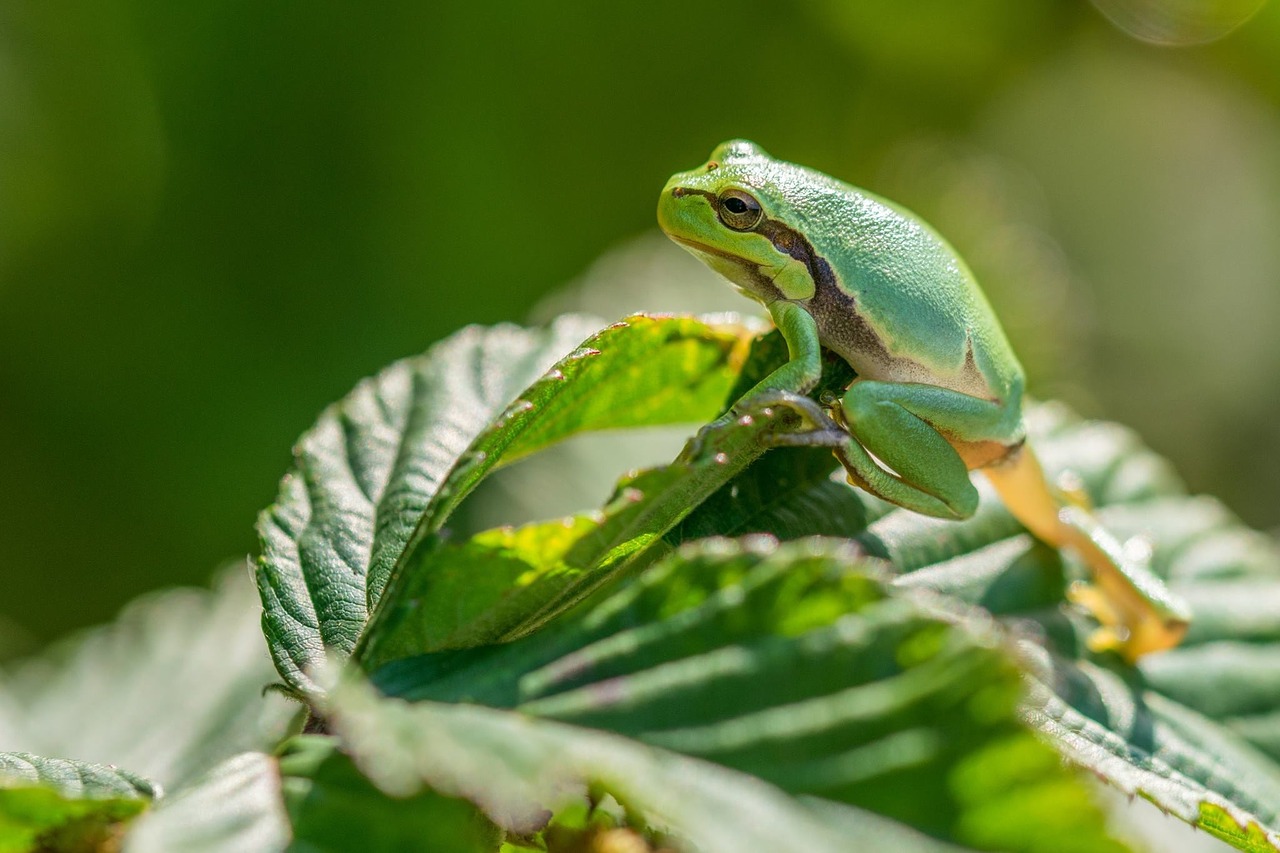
<point x="741" y="213"/>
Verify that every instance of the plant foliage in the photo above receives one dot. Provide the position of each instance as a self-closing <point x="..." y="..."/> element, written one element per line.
<point x="737" y="650"/>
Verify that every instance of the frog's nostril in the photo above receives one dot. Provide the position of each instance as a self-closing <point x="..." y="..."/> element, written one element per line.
<point x="677" y="192"/>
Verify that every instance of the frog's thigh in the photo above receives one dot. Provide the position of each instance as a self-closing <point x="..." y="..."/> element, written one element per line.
<point x="899" y="424"/>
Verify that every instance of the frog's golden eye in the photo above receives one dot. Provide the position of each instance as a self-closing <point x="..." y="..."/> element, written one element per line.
<point x="739" y="211"/>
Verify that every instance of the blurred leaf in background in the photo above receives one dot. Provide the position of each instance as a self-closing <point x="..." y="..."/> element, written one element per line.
<point x="213" y="218"/>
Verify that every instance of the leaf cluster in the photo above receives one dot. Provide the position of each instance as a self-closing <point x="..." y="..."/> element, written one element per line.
<point x="735" y="651"/>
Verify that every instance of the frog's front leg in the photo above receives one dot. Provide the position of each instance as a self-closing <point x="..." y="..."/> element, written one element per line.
<point x="804" y="364"/>
<point x="785" y="385"/>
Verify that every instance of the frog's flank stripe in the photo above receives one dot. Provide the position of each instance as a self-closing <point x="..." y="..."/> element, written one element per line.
<point x="832" y="305"/>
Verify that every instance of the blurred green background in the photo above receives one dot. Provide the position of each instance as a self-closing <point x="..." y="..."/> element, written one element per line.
<point x="215" y="218"/>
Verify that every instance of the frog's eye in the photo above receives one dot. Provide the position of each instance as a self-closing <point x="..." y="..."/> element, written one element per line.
<point x="739" y="210"/>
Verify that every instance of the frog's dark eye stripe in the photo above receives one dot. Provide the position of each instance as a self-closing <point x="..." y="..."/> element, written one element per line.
<point x="739" y="210"/>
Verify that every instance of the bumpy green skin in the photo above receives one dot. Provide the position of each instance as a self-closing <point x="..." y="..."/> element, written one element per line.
<point x="939" y="390"/>
<point x="908" y="287"/>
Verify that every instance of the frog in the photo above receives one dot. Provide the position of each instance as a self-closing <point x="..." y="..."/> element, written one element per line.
<point x="938" y="392"/>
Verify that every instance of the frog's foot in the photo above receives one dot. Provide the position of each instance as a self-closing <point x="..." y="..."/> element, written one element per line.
<point x="830" y="402"/>
<point x="1130" y="633"/>
<point x="815" y="427"/>
<point x="803" y="406"/>
<point x="1111" y="635"/>
<point x="834" y="438"/>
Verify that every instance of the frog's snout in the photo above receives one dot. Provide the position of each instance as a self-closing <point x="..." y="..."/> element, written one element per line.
<point x="681" y="209"/>
<point x="668" y="205"/>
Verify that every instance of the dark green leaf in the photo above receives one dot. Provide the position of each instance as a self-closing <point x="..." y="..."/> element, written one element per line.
<point x="334" y="808"/>
<point x="1225" y="669"/>
<point x="522" y="771"/>
<point x="505" y="583"/>
<point x="788" y="492"/>
<point x="1143" y="743"/>
<point x="798" y="665"/>
<point x="643" y="371"/>
<point x="364" y="473"/>
<point x="1192" y="729"/>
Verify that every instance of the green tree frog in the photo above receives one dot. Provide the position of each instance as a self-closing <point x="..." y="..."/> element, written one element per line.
<point x="938" y="391"/>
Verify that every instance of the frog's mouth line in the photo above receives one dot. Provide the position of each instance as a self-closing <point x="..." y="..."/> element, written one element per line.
<point x="750" y="268"/>
<point x="710" y="250"/>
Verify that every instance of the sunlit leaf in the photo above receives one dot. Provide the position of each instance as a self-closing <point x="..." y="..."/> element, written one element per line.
<point x="364" y="474"/>
<point x="1193" y="729"/>
<point x="235" y="806"/>
<point x="370" y="468"/>
<point x="1225" y="668"/>
<point x="504" y="583"/>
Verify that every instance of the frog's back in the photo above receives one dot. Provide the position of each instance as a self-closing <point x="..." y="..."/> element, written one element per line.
<point x="903" y="306"/>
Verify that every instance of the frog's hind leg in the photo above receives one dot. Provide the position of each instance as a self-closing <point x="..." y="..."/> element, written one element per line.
<point x="916" y="431"/>
<point x="1138" y="613"/>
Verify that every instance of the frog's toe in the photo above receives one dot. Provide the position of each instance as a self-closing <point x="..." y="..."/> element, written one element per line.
<point x="770" y="403"/>
<point x="777" y="399"/>
<point x="1112" y="634"/>
<point x="1107" y="640"/>
<point x="809" y="438"/>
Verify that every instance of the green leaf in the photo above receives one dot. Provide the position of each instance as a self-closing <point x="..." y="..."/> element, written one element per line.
<point x="520" y="771"/>
<point x="54" y="804"/>
<point x="799" y="665"/>
<point x="236" y="806"/>
<point x="364" y="473"/>
<point x="397" y="447"/>
<point x="334" y="808"/>
<point x="1146" y="744"/>
<point x="505" y="583"/>
<point x="788" y="492"/>
<point x="1224" y="670"/>
<point x="643" y="371"/>
<point x="185" y="666"/>
<point x="1192" y="729"/>
<point x="646" y="371"/>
